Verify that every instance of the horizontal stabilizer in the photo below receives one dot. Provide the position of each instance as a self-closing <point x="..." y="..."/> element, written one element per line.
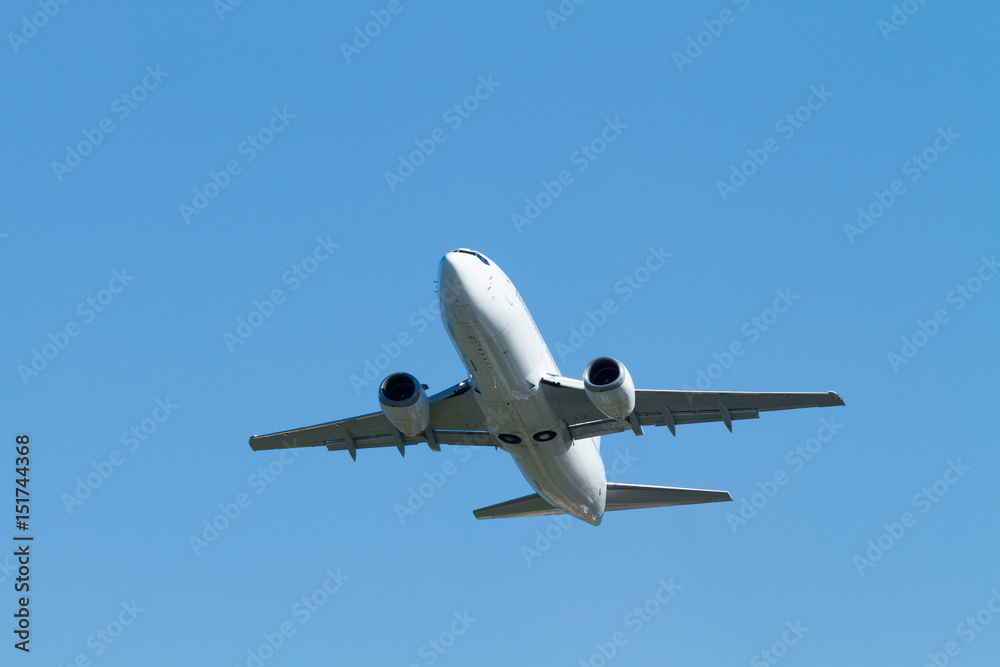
<point x="638" y="496"/>
<point x="533" y="505"/>
<point x="620" y="497"/>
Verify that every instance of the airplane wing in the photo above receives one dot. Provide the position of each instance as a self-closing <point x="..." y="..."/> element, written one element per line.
<point x="455" y="420"/>
<point x="656" y="407"/>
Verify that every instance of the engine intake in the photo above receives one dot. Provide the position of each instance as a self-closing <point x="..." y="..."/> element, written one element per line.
<point x="404" y="403"/>
<point x="609" y="387"/>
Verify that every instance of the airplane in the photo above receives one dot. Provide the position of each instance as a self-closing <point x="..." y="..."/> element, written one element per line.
<point x="516" y="399"/>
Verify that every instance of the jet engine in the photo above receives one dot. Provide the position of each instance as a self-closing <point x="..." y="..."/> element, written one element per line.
<point x="404" y="403"/>
<point x="609" y="387"/>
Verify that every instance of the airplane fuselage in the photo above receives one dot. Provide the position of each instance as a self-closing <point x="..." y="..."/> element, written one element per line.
<point x="506" y="357"/>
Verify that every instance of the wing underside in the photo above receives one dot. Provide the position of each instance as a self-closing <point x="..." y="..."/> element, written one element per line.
<point x="656" y="407"/>
<point x="455" y="420"/>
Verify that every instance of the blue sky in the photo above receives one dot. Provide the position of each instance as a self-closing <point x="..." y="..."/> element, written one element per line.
<point x="172" y="170"/>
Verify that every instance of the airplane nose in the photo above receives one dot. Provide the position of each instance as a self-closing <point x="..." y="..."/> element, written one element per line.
<point x="447" y="277"/>
<point x="453" y="275"/>
<point x="447" y="270"/>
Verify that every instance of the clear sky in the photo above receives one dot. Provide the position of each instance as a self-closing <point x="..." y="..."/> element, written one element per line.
<point x="215" y="218"/>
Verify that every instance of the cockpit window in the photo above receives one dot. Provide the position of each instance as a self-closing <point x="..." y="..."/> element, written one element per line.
<point x="473" y="252"/>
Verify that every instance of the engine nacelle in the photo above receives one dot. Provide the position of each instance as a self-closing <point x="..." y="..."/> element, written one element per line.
<point x="404" y="403"/>
<point x="609" y="387"/>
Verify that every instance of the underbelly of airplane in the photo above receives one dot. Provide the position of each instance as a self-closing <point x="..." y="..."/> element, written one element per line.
<point x="506" y="366"/>
<point x="568" y="473"/>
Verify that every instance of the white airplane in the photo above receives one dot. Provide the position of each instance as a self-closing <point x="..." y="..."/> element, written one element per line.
<point x="516" y="399"/>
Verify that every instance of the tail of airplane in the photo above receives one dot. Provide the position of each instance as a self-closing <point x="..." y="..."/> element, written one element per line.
<point x="620" y="497"/>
